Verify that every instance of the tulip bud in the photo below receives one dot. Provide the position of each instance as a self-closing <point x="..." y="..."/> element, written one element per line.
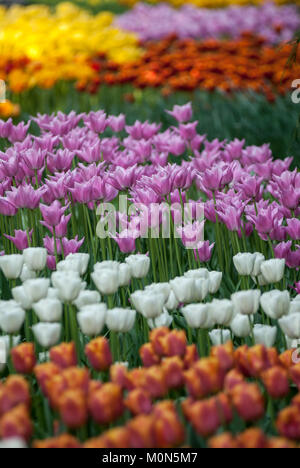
<point x="244" y="263"/>
<point x="196" y="315"/>
<point x="48" y="310"/>
<point x="215" y="279"/>
<point x="11" y="318"/>
<point x="246" y="302"/>
<point x="73" y="408"/>
<point x="276" y="382"/>
<point x="35" y="258"/>
<point x="259" y="259"/>
<point x="273" y="270"/>
<point x="240" y="326"/>
<point x="163" y="320"/>
<point x="98" y="354"/>
<point x="11" y="266"/>
<point x="290" y="325"/>
<point x="248" y="401"/>
<point x="265" y="335"/>
<point x="120" y="320"/>
<point x="64" y="355"/>
<point x="221" y="311"/>
<point x="23" y="358"/>
<point x="219" y="337"/>
<point x="106" y="404"/>
<point x="139" y="265"/>
<point x="275" y="303"/>
<point x="16" y="423"/>
<point x="47" y="334"/>
<point x="20" y="296"/>
<point x="124" y="275"/>
<point x="106" y="280"/>
<point x="184" y="289"/>
<point x="91" y="319"/>
<point x="68" y="284"/>
<point x="87" y="298"/>
<point x="147" y="304"/>
<point x="36" y="289"/>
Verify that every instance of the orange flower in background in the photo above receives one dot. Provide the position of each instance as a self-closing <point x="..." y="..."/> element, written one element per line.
<point x="9" y="109"/>
<point x="15" y="391"/>
<point x="276" y="382"/>
<point x="168" y="430"/>
<point x="232" y="379"/>
<point x="253" y="438"/>
<point x="99" y="354"/>
<point x="64" y="441"/>
<point x="156" y="336"/>
<point x="64" y="355"/>
<point x="138" y="402"/>
<point x="115" y="438"/>
<point x="148" y="355"/>
<point x="106" y="404"/>
<point x="288" y="423"/>
<point x="191" y="356"/>
<point x="119" y="375"/>
<point x="173" y="372"/>
<point x="73" y="408"/>
<point x="44" y="372"/>
<point x="225" y="355"/>
<point x="16" y="423"/>
<point x="23" y="358"/>
<point x="248" y="401"/>
<point x="223" y="441"/>
<point x="141" y="433"/>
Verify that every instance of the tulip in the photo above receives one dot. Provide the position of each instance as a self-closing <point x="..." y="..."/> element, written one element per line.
<point x="91" y="319"/>
<point x="73" y="408"/>
<point x="244" y="263"/>
<point x="23" y="358"/>
<point x="36" y="289"/>
<point x="273" y="270"/>
<point x="219" y="337"/>
<point x="215" y="279"/>
<point x="199" y="273"/>
<point x="172" y="303"/>
<point x="201" y="289"/>
<point x="120" y="320"/>
<point x="35" y="258"/>
<point x="149" y="305"/>
<point x="163" y="320"/>
<point x="68" y="284"/>
<point x="106" y="280"/>
<point x="221" y="311"/>
<point x="52" y="293"/>
<point x="195" y="315"/>
<point x="99" y="354"/>
<point x="139" y="265"/>
<point x="184" y="289"/>
<point x="83" y="259"/>
<point x="11" y="318"/>
<point x="275" y="303"/>
<point x="240" y="326"/>
<point x="47" y="334"/>
<point x="48" y="310"/>
<point x="259" y="259"/>
<point x="290" y="325"/>
<point x="64" y="355"/>
<point x="124" y="274"/>
<point x="27" y="274"/>
<point x="295" y="306"/>
<point x="11" y="266"/>
<point x="13" y="443"/>
<point x="5" y="347"/>
<point x="160" y="288"/>
<point x="246" y="302"/>
<point x="20" y="296"/>
<point x="87" y="298"/>
<point x="265" y="335"/>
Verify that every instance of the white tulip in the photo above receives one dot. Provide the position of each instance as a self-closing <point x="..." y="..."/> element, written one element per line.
<point x="106" y="280"/>
<point x="195" y="315"/>
<point x="87" y="298"/>
<point x="275" y="303"/>
<point x="11" y="265"/>
<point x="219" y="337"/>
<point x="73" y="264"/>
<point x="295" y="307"/>
<point x="68" y="284"/>
<point x="273" y="270"/>
<point x="48" y="310"/>
<point x="246" y="302"/>
<point x="27" y="274"/>
<point x="19" y="294"/>
<point x="120" y="320"/>
<point x="265" y="335"/>
<point x="172" y="303"/>
<point x="201" y="289"/>
<point x="13" y="443"/>
<point x="297" y="298"/>
<point x="184" y="289"/>
<point x="259" y="259"/>
<point x="261" y="280"/>
<point x="91" y="319"/>
<point x="163" y="320"/>
<point x="11" y="319"/>
<point x="139" y="265"/>
<point x="290" y="325"/>
<point x="199" y="273"/>
<point x="124" y="274"/>
<point x="107" y="265"/>
<point x="222" y="311"/>
<point x="160" y="288"/>
<point x="291" y="343"/>
<point x="5" y="343"/>
<point x="148" y="304"/>
<point x="52" y="293"/>
<point x="244" y="263"/>
<point x="215" y="280"/>
<point x="47" y="334"/>
<point x="240" y="326"/>
<point x="83" y="259"/>
<point x="35" y="258"/>
<point x="36" y="289"/>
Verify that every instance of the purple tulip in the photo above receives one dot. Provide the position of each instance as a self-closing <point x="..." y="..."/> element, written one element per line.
<point x="53" y="213"/>
<point x="20" y="240"/>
